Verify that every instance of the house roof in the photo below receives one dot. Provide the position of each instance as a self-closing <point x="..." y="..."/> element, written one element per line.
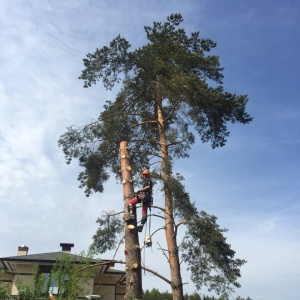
<point x="51" y="257"/>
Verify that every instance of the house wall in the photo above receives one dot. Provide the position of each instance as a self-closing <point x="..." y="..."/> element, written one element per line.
<point x="106" y="279"/>
<point x="25" y="279"/>
<point x="121" y="291"/>
<point x="24" y="274"/>
<point x="105" y="285"/>
<point x="107" y="292"/>
<point x="23" y="268"/>
<point x="88" y="287"/>
<point x="8" y="277"/>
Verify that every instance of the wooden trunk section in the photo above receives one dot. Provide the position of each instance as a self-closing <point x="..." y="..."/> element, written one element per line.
<point x="132" y="254"/>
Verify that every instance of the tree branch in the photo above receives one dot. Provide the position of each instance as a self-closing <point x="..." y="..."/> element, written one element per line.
<point x="177" y="225"/>
<point x="172" y="111"/>
<point x="163" y="251"/>
<point x="123" y="262"/>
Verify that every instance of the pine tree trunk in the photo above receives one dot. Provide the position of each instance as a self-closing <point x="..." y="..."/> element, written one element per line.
<point x="176" y="281"/>
<point x="132" y="247"/>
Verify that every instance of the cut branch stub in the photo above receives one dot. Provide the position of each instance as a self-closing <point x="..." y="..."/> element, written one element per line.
<point x="131" y="226"/>
<point x="134" y="265"/>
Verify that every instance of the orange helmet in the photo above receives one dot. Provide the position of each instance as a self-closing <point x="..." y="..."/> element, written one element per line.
<point x="146" y="172"/>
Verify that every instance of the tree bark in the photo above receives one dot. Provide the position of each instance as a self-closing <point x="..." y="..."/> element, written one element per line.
<point x="176" y="280"/>
<point x="132" y="247"/>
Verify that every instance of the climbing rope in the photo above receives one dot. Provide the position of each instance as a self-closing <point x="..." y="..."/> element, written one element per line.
<point x="149" y="219"/>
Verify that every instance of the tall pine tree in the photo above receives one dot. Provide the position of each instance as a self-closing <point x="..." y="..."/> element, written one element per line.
<point x="171" y="93"/>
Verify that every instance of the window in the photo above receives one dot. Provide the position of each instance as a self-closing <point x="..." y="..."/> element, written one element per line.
<point x="53" y="285"/>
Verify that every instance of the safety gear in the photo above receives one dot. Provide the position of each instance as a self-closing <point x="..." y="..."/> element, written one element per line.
<point x="131" y="214"/>
<point x="131" y="217"/>
<point x="141" y="196"/>
<point x="148" y="241"/>
<point x="151" y="202"/>
<point x="143" y="220"/>
<point x="146" y="172"/>
<point x="130" y="208"/>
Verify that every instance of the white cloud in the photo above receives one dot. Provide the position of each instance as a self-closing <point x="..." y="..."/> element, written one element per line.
<point x="251" y="185"/>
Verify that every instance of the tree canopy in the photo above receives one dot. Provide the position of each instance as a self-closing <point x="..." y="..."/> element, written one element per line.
<point x="173" y="71"/>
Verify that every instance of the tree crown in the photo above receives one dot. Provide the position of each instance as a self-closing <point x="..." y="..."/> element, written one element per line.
<point x="171" y="73"/>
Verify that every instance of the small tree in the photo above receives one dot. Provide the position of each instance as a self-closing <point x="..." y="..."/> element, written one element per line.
<point x="69" y="274"/>
<point x="33" y="289"/>
<point x="71" y="282"/>
<point x="172" y="90"/>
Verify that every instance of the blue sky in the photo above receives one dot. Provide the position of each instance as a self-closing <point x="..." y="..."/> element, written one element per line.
<point x="252" y="184"/>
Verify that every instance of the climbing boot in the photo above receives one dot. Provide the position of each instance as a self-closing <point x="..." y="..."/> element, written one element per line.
<point x="143" y="220"/>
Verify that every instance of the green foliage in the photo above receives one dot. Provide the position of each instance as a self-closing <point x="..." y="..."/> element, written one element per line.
<point x="183" y="208"/>
<point x="67" y="275"/>
<point x="172" y="72"/>
<point x="33" y="289"/>
<point x="194" y="296"/>
<point x="204" y="248"/>
<point x="109" y="233"/>
<point x="155" y="294"/>
<point x="71" y="282"/>
<point x="210" y="258"/>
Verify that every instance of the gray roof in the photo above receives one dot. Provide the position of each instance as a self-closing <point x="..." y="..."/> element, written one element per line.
<point x="44" y="257"/>
<point x="52" y="257"/>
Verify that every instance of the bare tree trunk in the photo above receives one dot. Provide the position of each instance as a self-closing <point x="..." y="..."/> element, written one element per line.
<point x="132" y="247"/>
<point x="176" y="281"/>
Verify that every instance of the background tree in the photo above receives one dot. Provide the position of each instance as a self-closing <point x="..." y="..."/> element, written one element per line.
<point x="155" y="294"/>
<point x="171" y="91"/>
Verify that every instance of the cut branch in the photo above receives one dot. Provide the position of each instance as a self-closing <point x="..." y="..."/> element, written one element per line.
<point x="124" y="263"/>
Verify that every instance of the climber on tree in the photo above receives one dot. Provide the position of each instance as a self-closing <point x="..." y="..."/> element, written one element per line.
<point x="143" y="196"/>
